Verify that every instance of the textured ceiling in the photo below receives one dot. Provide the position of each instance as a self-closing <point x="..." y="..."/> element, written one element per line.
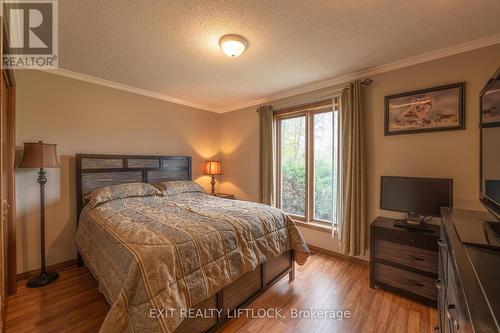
<point x="171" y="47"/>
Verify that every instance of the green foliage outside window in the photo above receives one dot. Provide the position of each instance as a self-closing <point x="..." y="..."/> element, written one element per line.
<point x="293" y="166"/>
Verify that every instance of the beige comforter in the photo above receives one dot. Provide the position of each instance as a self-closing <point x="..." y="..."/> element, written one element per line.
<point x="174" y="252"/>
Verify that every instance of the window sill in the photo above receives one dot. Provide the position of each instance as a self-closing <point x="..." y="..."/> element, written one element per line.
<point x="314" y="226"/>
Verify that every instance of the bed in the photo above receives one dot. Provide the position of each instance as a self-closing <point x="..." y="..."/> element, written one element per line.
<point x="180" y="262"/>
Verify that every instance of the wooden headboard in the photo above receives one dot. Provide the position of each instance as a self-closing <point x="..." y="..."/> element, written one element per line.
<point x="97" y="170"/>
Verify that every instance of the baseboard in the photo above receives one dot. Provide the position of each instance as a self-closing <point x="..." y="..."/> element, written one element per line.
<point x="338" y="255"/>
<point x="55" y="267"/>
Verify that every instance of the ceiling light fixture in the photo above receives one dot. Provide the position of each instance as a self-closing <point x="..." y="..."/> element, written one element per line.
<point x="233" y="45"/>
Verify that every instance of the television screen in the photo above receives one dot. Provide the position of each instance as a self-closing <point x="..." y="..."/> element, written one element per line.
<point x="490" y="140"/>
<point x="422" y="196"/>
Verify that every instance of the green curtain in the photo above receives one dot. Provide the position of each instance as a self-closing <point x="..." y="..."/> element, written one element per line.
<point x="266" y="178"/>
<point x="353" y="226"/>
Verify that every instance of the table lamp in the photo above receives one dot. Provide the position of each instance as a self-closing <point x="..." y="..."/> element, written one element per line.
<point x="213" y="168"/>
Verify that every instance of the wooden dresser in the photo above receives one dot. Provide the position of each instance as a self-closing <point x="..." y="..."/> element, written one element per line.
<point x="404" y="261"/>
<point x="469" y="278"/>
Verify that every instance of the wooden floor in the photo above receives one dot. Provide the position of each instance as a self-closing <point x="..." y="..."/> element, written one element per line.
<point x="73" y="303"/>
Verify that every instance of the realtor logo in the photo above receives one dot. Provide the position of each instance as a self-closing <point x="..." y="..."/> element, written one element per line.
<point x="32" y="31"/>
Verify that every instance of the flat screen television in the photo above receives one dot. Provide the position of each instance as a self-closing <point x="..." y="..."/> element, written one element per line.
<point x="415" y="195"/>
<point x="490" y="145"/>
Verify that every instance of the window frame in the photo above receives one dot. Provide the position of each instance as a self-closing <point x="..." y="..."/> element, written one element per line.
<point x="311" y="162"/>
<point x="278" y="119"/>
<point x="308" y="111"/>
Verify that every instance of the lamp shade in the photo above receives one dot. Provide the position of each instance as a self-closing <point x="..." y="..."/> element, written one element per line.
<point x="213" y="168"/>
<point x="39" y="155"/>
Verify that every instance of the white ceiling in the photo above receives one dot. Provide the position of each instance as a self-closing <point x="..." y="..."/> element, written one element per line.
<point x="171" y="47"/>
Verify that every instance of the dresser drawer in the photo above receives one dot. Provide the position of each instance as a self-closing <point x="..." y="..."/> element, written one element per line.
<point x="422" y="240"/>
<point x="455" y="310"/>
<point x="443" y="258"/>
<point x="412" y="282"/>
<point x="414" y="257"/>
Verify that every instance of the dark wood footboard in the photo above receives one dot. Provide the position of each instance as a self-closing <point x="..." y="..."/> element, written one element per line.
<point x="239" y="293"/>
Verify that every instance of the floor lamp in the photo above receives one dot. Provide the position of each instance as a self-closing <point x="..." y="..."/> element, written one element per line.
<point x="41" y="155"/>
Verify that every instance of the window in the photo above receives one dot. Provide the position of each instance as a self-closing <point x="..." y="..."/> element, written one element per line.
<point x="293" y="165"/>
<point x="306" y="160"/>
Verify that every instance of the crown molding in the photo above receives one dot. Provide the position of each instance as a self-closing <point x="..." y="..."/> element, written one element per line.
<point x="124" y="87"/>
<point x="429" y="56"/>
<point x="244" y="105"/>
<point x="415" y="60"/>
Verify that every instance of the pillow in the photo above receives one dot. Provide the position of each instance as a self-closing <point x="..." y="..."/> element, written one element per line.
<point x="178" y="186"/>
<point x="121" y="191"/>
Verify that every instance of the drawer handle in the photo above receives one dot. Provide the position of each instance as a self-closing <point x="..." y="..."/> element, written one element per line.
<point x="414" y="258"/>
<point x="438" y="284"/>
<point x="451" y="312"/>
<point x="416" y="284"/>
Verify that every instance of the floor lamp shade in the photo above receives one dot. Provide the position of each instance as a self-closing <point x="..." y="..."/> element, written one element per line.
<point x="41" y="155"/>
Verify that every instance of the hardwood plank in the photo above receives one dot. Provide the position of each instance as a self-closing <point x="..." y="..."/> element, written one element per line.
<point x="326" y="282"/>
<point x="73" y="303"/>
<point x="313" y="248"/>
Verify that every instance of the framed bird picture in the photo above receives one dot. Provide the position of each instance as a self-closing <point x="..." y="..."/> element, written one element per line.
<point x="427" y="110"/>
<point x="490" y="105"/>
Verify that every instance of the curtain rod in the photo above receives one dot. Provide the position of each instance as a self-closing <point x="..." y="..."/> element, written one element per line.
<point x="309" y="106"/>
<point x="306" y="99"/>
<point x="312" y="99"/>
<point x="366" y="82"/>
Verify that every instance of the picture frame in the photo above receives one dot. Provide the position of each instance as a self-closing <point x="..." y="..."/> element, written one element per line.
<point x="490" y="105"/>
<point x="440" y="108"/>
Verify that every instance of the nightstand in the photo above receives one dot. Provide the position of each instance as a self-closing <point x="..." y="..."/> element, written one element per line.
<point x="225" y="196"/>
<point x="404" y="261"/>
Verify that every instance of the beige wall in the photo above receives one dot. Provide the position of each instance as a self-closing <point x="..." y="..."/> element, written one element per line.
<point x="239" y="147"/>
<point x="452" y="154"/>
<point x="442" y="154"/>
<point x="87" y="118"/>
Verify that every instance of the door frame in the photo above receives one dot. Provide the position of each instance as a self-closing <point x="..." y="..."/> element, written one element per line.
<point x="10" y="227"/>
